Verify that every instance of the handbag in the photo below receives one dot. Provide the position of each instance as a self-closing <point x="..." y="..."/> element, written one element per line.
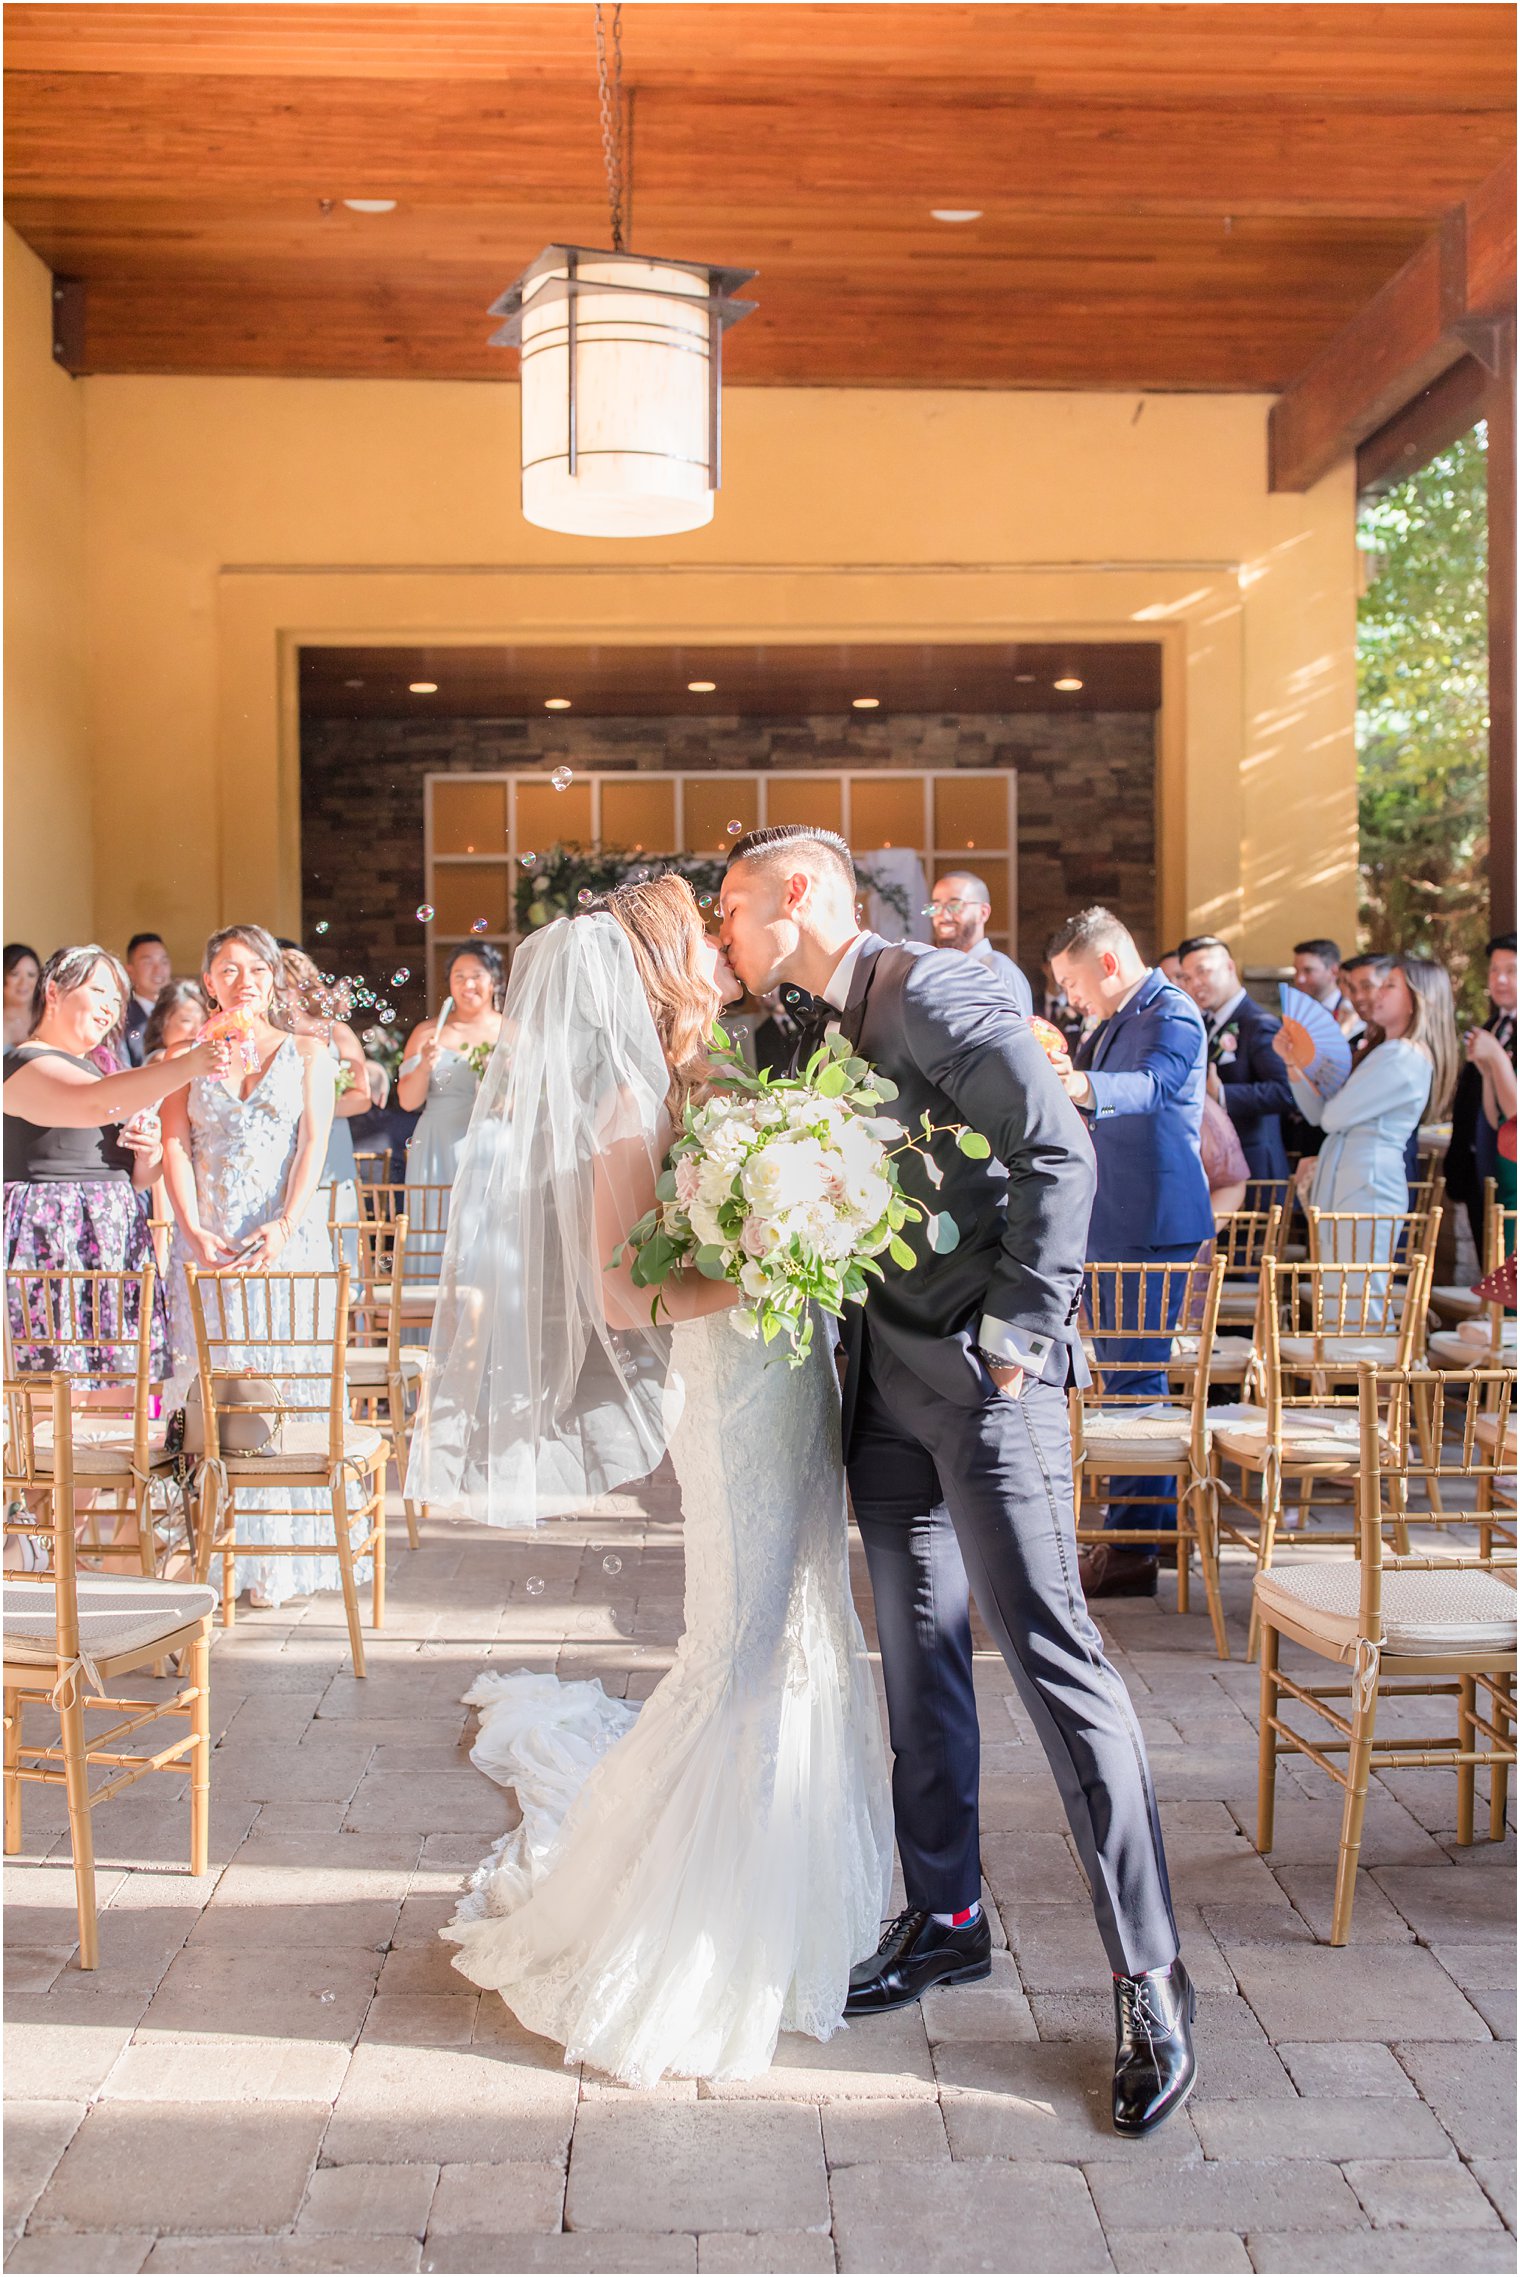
<point x="249" y="1418"/>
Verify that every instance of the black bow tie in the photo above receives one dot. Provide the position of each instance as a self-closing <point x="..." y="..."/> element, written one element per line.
<point x="809" y="1011"/>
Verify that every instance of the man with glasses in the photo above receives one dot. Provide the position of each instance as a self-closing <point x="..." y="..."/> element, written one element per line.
<point x="958" y="912"/>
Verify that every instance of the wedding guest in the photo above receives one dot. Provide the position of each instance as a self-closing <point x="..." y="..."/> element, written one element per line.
<point x="1245" y="1076"/>
<point x="149" y="971"/>
<point x="1369" y="1121"/>
<point x="1139" y="1079"/>
<point x="1473" y="1154"/>
<point x="1316" y="970"/>
<point x="959" y="911"/>
<point x="80" y="1147"/>
<point x="1171" y="965"/>
<point x="315" y="1009"/>
<point x="23" y="968"/>
<point x="175" y="1021"/>
<point x="1224" y="1166"/>
<point x="1360" y="979"/>
<point x="440" y="1072"/>
<point x="242" y="1161"/>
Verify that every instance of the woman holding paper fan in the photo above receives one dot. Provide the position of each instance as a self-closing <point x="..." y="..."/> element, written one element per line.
<point x="1369" y="1120"/>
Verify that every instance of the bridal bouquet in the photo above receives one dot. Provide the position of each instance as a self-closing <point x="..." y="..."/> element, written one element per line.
<point x="788" y="1187"/>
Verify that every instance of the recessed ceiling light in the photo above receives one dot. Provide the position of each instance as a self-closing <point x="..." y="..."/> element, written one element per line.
<point x="865" y="703"/>
<point x="353" y="683"/>
<point x="556" y="703"/>
<point x="701" y="687"/>
<point x="955" y="213"/>
<point x="1024" y="679"/>
<point x="370" y="205"/>
<point x="423" y="687"/>
<point x="1069" y="685"/>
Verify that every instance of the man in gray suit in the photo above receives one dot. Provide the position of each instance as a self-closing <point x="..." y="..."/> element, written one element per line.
<point x="959" y="1456"/>
<point x="959" y="912"/>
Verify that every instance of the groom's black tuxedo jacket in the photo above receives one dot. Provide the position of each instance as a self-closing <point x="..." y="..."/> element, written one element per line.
<point x="958" y="1049"/>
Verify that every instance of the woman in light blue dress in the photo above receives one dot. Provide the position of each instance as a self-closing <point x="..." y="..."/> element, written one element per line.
<point x="440" y="1073"/>
<point x="242" y="1162"/>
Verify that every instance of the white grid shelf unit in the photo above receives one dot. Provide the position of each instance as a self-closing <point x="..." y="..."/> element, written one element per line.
<point x="919" y="802"/>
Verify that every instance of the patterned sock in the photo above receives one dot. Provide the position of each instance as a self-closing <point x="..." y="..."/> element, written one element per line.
<point x="961" y="1920"/>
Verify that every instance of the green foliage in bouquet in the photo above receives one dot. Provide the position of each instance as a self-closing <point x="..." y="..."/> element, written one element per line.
<point x="788" y="1187"/>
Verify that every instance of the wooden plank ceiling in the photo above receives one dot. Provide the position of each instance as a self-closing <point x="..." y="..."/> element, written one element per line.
<point x="788" y="682"/>
<point x="1190" y="196"/>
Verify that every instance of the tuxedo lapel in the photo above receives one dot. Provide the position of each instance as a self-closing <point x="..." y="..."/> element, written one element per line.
<point x="852" y="1018"/>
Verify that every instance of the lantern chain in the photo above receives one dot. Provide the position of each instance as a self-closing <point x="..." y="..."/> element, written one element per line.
<point x="610" y="93"/>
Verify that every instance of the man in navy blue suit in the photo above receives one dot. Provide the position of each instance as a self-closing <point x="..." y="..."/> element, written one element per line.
<point x="1139" y="1080"/>
<point x="1246" y="1076"/>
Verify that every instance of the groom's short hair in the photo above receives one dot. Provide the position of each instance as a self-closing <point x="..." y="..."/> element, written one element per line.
<point x="782" y="840"/>
<point x="1090" y="932"/>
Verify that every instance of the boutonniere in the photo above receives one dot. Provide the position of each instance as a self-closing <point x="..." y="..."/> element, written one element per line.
<point x="1225" y="1045"/>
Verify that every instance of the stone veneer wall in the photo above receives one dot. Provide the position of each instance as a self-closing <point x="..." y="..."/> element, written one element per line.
<point x="1087" y="803"/>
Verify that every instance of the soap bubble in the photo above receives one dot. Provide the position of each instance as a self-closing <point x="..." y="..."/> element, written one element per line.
<point x="585" y="897"/>
<point x="562" y="778"/>
<point x="534" y="1586"/>
<point x="327" y="1996"/>
<point x="401" y="976"/>
<point x="425" y="913"/>
<point x="736" y="830"/>
<point x="612" y="1565"/>
<point x="704" y="901"/>
<point x="324" y="927"/>
<point x="387" y="1016"/>
<point x="528" y="861"/>
<point x="480" y="925"/>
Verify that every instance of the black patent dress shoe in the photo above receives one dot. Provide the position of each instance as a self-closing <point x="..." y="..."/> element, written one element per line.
<point x="1117" y="1569"/>
<point x="916" y="1952"/>
<point x="1154" y="2063"/>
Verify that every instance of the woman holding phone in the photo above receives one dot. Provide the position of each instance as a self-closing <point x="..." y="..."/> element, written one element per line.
<point x="440" y="1073"/>
<point x="243" y="1160"/>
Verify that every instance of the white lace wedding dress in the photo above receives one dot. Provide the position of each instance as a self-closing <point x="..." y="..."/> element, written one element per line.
<point x="694" y="1876"/>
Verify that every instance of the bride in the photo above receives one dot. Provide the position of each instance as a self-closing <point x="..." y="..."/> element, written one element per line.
<point x="692" y="1877"/>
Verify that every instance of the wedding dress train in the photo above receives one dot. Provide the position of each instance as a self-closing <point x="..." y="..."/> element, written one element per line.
<point x="694" y="1876"/>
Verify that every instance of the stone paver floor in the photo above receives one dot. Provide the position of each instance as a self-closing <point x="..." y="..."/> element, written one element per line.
<point x="275" y="2068"/>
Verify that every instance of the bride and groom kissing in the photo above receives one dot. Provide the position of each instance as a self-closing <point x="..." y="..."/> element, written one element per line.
<point x="692" y="1877"/>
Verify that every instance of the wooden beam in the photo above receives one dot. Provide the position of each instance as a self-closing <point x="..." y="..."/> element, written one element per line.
<point x="1430" y="423"/>
<point x="1501" y="642"/>
<point x="1406" y="338"/>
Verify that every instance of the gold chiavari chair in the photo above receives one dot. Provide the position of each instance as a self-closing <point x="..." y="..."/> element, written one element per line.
<point x="1244" y="1238"/>
<point x="65" y="1630"/>
<point x="1410" y="1238"/>
<point x="1118" y="1433"/>
<point x="1489" y="1336"/>
<point x="385" y="1375"/>
<point x="98" y="1328"/>
<point x="1408" y="1625"/>
<point x="1455" y="1300"/>
<point x="287" y="1332"/>
<point x="426" y="1210"/>
<point x="1304" y="1435"/>
<point x="371" y="1164"/>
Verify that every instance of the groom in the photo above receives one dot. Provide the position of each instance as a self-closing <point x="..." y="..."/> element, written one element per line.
<point x="959" y="1455"/>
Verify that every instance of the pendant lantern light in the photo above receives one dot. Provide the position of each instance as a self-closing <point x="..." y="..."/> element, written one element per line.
<point x="620" y="370"/>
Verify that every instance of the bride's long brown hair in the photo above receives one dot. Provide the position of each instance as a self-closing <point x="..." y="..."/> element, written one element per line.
<point x="665" y="932"/>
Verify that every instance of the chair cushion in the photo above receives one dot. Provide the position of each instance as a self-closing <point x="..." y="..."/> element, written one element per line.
<point x="1470" y="1346"/>
<point x="1309" y="1435"/>
<point x="1340" y="1351"/>
<point x="1455" y="1301"/>
<point x="1136" y="1436"/>
<point x="1460" y="1609"/>
<point x="102" y="1449"/>
<point x="1237" y="1301"/>
<point x="304" y="1449"/>
<point x="1228" y="1362"/>
<point x="369" y="1366"/>
<point x="1486" y="1432"/>
<point x="115" y="1615"/>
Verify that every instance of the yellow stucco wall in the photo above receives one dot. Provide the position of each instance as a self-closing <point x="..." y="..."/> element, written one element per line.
<point x="49" y="858"/>
<point x="228" y="521"/>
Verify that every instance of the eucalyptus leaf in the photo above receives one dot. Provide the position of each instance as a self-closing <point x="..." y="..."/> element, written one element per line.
<point x="709" y="1262"/>
<point x="933" y="1172"/>
<point x="944" y="1233"/>
<point x="832" y="1081"/>
<point x="973" y="1145"/>
<point x="901" y="1254"/>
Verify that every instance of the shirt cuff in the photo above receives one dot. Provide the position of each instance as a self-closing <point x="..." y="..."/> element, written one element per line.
<point x="1016" y="1347"/>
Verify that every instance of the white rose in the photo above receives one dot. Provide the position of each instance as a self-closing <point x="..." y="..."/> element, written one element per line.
<point x="704" y="1224"/>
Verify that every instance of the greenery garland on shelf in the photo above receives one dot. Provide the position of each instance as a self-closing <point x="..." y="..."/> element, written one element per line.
<point x="567" y="876"/>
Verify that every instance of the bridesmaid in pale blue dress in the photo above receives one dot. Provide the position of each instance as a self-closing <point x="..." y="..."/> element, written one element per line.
<point x="242" y="1163"/>
<point x="314" y="1009"/>
<point x="436" y="1075"/>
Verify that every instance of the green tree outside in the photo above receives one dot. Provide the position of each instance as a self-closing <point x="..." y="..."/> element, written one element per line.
<point x="1422" y="715"/>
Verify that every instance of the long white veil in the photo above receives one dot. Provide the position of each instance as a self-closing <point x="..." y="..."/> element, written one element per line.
<point x="535" y="1402"/>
